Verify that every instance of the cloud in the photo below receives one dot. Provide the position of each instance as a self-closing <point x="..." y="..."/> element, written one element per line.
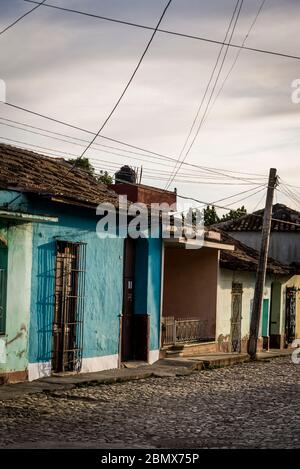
<point x="75" y="67"/>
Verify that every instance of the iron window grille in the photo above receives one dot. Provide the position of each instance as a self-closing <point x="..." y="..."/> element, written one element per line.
<point x="70" y="276"/>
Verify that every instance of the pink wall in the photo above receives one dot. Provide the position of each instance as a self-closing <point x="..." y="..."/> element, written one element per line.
<point x="190" y="284"/>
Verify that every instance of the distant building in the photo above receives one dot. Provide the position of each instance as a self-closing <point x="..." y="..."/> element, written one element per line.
<point x="285" y="234"/>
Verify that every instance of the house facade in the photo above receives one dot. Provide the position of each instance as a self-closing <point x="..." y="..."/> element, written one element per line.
<point x="236" y="286"/>
<point x="69" y="301"/>
<point x="190" y="293"/>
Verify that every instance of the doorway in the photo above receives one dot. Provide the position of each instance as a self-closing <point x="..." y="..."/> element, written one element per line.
<point x="69" y="306"/>
<point x="290" y="315"/>
<point x="275" y="309"/>
<point x="135" y="328"/>
<point x="236" y="317"/>
<point x="127" y="350"/>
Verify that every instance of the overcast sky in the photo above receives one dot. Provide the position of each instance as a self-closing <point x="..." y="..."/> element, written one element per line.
<point x="74" y="68"/>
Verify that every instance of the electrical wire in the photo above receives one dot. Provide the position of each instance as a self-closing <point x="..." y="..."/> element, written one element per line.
<point x="151" y="174"/>
<point x="209" y="99"/>
<point x="173" y="33"/>
<point x="125" y="89"/>
<point x="168" y="165"/>
<point x="229" y="197"/>
<point x="159" y="155"/>
<point x="39" y="4"/>
<point x="204" y="96"/>
<point x="236" y="58"/>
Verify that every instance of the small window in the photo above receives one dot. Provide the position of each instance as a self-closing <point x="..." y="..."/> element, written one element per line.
<point x="3" y="287"/>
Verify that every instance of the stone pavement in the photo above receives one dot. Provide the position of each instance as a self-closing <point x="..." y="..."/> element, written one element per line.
<point x="248" y="405"/>
<point x="168" y="367"/>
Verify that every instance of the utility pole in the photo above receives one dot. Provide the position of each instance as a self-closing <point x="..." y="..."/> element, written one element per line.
<point x="262" y="266"/>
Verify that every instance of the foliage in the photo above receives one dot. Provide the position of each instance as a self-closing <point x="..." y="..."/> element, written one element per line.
<point x="211" y="217"/>
<point x="235" y="214"/>
<point x="105" y="178"/>
<point x="85" y="164"/>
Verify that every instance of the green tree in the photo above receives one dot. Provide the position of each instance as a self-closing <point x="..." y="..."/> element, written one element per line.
<point x="84" y="163"/>
<point x="210" y="216"/>
<point x="235" y="214"/>
<point x="104" y="178"/>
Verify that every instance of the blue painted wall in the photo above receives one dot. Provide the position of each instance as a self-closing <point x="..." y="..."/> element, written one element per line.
<point x="104" y="284"/>
<point x="148" y="284"/>
<point x="104" y="279"/>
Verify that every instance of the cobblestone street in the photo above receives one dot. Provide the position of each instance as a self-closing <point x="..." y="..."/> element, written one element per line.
<point x="244" y="406"/>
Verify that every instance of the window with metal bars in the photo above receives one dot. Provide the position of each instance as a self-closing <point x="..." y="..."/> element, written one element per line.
<point x="69" y="306"/>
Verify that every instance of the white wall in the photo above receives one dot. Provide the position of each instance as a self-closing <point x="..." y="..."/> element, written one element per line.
<point x="226" y="278"/>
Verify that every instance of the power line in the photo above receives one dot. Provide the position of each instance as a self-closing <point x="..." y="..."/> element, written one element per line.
<point x="236" y="57"/>
<point x="174" y="33"/>
<point x="203" y="97"/>
<point x="289" y="195"/>
<point x="231" y="197"/>
<point x="210" y="97"/>
<point x="126" y="87"/>
<point x="152" y="173"/>
<point x="160" y="155"/>
<point x="168" y="165"/>
<point x="39" y="4"/>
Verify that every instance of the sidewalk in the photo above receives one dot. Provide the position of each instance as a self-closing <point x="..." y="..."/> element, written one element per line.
<point x="167" y="367"/>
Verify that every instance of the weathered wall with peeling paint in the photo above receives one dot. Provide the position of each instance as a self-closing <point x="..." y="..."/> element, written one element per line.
<point x="19" y="242"/>
<point x="277" y="303"/>
<point x="226" y="278"/>
<point x="292" y="282"/>
<point x="104" y="284"/>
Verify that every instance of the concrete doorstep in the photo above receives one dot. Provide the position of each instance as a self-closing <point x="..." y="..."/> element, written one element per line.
<point x="167" y="367"/>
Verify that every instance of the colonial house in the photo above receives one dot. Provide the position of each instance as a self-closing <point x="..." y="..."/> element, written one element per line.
<point x="66" y="296"/>
<point x="236" y="284"/>
<point x="189" y="276"/>
<point x="208" y="297"/>
<point x="284" y="247"/>
<point x="285" y="232"/>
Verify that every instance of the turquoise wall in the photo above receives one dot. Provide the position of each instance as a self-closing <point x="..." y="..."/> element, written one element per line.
<point x="148" y="285"/>
<point x="104" y="284"/>
<point x="154" y="290"/>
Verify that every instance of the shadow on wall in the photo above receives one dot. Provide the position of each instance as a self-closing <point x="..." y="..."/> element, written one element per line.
<point x="45" y="301"/>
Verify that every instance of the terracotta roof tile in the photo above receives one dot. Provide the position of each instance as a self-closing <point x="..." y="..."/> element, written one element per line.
<point x="27" y="171"/>
<point x="245" y="258"/>
<point x="253" y="222"/>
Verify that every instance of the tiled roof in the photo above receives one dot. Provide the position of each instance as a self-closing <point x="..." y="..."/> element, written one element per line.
<point x="26" y="171"/>
<point x="253" y="222"/>
<point x="246" y="259"/>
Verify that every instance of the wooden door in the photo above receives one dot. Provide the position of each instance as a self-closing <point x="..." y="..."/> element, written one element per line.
<point x="127" y="349"/>
<point x="290" y="315"/>
<point x="236" y="317"/>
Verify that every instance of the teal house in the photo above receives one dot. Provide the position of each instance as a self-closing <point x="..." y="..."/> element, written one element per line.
<point x="69" y="301"/>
